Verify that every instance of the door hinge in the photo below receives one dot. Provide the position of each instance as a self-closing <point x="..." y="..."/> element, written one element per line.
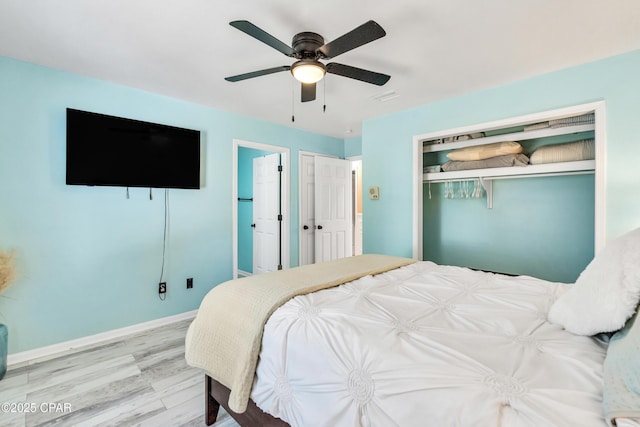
<point x="279" y="217"/>
<point x="279" y="266"/>
<point x="279" y="168"/>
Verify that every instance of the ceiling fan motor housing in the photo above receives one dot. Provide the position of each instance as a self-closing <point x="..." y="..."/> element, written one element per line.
<point x="306" y="45"/>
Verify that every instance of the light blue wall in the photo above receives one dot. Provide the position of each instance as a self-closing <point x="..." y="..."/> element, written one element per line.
<point x="353" y="147"/>
<point x="245" y="208"/>
<point x="89" y="259"/>
<point x="388" y="221"/>
<point x="542" y="227"/>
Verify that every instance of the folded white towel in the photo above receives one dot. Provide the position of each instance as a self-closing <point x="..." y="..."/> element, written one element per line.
<point x="573" y="121"/>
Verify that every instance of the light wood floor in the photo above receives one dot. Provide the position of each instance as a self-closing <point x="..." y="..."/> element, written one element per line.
<point x="139" y="380"/>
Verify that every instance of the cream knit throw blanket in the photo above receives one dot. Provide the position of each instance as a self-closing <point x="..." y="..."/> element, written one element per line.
<point x="225" y="337"/>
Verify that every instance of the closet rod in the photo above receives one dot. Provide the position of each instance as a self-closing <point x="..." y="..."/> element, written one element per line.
<point x="515" y="176"/>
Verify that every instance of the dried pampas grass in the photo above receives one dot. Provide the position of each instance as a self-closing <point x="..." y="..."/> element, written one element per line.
<point x="7" y="270"/>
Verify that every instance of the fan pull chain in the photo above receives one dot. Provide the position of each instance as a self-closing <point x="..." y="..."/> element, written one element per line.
<point x="324" y="95"/>
<point x="293" y="103"/>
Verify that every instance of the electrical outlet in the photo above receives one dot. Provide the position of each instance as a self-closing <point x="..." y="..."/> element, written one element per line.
<point x="162" y="288"/>
<point x="190" y="283"/>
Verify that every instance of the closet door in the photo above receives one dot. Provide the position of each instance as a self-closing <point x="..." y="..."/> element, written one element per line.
<point x="333" y="227"/>
<point x="307" y="209"/>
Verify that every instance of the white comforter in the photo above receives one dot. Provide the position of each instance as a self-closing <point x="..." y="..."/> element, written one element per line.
<point x="428" y="345"/>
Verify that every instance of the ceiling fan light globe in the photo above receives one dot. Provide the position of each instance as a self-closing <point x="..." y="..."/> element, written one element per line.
<point x="308" y="72"/>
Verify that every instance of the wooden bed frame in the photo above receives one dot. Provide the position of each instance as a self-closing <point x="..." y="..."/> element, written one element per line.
<point x="217" y="394"/>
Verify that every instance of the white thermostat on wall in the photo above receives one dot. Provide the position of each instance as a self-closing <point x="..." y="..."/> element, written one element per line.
<point x="374" y="193"/>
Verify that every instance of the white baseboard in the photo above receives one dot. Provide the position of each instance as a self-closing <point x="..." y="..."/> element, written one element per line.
<point x="242" y="273"/>
<point x="63" y="347"/>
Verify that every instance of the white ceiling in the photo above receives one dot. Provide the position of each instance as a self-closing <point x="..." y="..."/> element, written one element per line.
<point x="434" y="49"/>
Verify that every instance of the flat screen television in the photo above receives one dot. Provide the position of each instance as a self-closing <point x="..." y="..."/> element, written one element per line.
<point x="114" y="151"/>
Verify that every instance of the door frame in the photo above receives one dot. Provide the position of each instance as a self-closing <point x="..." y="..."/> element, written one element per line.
<point x="599" y="107"/>
<point x="284" y="191"/>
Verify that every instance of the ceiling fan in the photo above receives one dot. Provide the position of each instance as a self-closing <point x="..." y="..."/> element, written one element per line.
<point x="309" y="48"/>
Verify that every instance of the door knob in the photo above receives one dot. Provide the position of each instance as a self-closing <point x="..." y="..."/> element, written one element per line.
<point x="319" y="227"/>
<point x="305" y="227"/>
<point x="253" y="226"/>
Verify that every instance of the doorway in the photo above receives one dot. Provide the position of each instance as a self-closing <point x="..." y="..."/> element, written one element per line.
<point x="356" y="190"/>
<point x="247" y="247"/>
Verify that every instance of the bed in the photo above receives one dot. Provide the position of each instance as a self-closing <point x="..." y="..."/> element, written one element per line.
<point x="385" y="341"/>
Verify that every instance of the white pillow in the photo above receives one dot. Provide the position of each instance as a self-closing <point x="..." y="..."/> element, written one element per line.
<point x="567" y="152"/>
<point x="482" y="152"/>
<point x="606" y="293"/>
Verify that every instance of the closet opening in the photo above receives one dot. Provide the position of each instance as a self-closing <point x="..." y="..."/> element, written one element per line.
<point x="542" y="216"/>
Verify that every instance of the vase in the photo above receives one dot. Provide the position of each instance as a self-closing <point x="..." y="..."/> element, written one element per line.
<point x="4" y="334"/>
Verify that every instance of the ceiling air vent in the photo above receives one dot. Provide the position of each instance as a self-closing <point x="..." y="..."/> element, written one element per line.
<point x="386" y="96"/>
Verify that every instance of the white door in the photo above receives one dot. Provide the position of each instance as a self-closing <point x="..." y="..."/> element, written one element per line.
<point x="266" y="208"/>
<point x="333" y="233"/>
<point x="307" y="209"/>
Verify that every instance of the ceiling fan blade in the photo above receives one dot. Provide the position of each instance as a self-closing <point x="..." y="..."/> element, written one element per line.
<point x="253" y="74"/>
<point x="358" y="74"/>
<point x="365" y="33"/>
<point x="308" y="92"/>
<point x="266" y="38"/>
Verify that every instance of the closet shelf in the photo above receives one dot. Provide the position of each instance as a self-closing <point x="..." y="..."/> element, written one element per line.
<point x="547" y="169"/>
<point x="514" y="136"/>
